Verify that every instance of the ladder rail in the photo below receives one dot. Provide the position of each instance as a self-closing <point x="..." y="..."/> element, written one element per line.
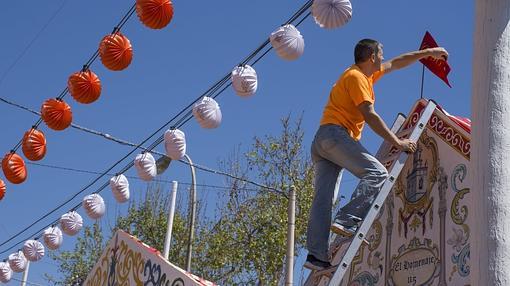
<point x="379" y="200"/>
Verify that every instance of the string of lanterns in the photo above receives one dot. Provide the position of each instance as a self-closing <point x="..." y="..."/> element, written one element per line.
<point x="115" y="52"/>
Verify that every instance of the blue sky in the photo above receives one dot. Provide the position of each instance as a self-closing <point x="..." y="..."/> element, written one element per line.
<point x="173" y="66"/>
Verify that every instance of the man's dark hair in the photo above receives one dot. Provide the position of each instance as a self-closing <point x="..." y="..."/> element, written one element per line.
<point x="364" y="49"/>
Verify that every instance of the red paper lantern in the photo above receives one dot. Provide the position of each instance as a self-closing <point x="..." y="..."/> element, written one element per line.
<point x="115" y="51"/>
<point x="34" y="145"/>
<point x="2" y="189"/>
<point x="56" y="114"/>
<point x="155" y="14"/>
<point x="14" y="168"/>
<point x="84" y="86"/>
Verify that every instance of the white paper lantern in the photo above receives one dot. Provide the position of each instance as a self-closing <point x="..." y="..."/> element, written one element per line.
<point x="33" y="250"/>
<point x="5" y="272"/>
<point x="288" y="42"/>
<point x="331" y="14"/>
<point x="207" y="112"/>
<point x="18" y="262"/>
<point x="145" y="166"/>
<point x="71" y="223"/>
<point x="120" y="188"/>
<point x="94" y="206"/>
<point x="244" y="80"/>
<point x="175" y="144"/>
<point x="53" y="237"/>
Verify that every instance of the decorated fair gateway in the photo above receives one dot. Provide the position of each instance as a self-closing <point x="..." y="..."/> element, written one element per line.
<point x="128" y="261"/>
<point x="422" y="234"/>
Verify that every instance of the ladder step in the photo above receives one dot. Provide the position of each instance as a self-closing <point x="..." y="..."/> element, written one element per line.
<point x="390" y="159"/>
<point x="391" y="151"/>
<point x="328" y="272"/>
<point x="404" y="133"/>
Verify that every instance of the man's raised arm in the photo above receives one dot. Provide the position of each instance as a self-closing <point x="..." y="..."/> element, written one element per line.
<point x="406" y="59"/>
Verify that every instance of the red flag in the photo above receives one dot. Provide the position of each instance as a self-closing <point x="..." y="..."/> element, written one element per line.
<point x="436" y="66"/>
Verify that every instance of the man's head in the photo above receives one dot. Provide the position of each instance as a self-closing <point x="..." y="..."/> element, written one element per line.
<point x="368" y="51"/>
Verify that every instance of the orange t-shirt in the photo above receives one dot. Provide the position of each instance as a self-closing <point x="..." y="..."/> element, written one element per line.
<point x="352" y="88"/>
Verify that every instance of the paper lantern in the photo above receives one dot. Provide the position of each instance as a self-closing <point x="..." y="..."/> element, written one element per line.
<point x="120" y="188"/>
<point x="115" y="51"/>
<point x="175" y="144"/>
<point x="145" y="165"/>
<point x="53" y="237"/>
<point x="2" y="189"/>
<point x="207" y="112"/>
<point x="155" y="14"/>
<point x="5" y="272"/>
<point x="18" y="262"/>
<point x="56" y="114"/>
<point x="288" y="42"/>
<point x="244" y="80"/>
<point x="94" y="206"/>
<point x="331" y="14"/>
<point x="14" y="168"/>
<point x="84" y="86"/>
<point x="71" y="223"/>
<point x="34" y="145"/>
<point x="33" y="250"/>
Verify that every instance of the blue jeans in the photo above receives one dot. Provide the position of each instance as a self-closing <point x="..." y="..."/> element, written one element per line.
<point x="333" y="149"/>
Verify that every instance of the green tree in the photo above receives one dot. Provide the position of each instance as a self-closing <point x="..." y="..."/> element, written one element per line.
<point x="246" y="243"/>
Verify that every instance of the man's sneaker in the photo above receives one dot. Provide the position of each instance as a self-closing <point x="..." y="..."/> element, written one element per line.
<point x="313" y="263"/>
<point x="345" y="231"/>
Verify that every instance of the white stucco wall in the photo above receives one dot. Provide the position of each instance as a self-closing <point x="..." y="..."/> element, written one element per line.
<point x="490" y="152"/>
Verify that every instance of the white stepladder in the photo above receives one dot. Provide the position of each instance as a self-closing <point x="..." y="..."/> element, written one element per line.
<point x="371" y="216"/>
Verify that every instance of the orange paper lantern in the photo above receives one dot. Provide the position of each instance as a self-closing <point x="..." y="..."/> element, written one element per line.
<point x="14" y="168"/>
<point x="34" y="145"/>
<point x="84" y="86"/>
<point x="56" y="114"/>
<point x="155" y="14"/>
<point x="115" y="51"/>
<point x="2" y="189"/>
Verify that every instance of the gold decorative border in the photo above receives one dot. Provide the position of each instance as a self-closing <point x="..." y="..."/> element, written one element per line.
<point x="452" y="137"/>
<point x="441" y="127"/>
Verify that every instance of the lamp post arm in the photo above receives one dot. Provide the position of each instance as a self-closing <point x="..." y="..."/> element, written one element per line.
<point x="193" y="203"/>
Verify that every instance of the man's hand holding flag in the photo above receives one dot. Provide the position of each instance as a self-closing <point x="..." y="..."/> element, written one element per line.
<point x="438" y="65"/>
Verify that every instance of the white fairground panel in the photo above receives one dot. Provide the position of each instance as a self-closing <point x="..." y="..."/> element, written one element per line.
<point x="422" y="234"/>
<point x="128" y="261"/>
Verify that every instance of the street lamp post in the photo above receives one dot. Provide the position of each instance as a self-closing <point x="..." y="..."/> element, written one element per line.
<point x="162" y="164"/>
<point x="170" y="222"/>
<point x="193" y="203"/>
<point x="25" y="275"/>
<point x="291" y="225"/>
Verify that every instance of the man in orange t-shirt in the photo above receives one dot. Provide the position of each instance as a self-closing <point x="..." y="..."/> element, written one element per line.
<point x="336" y="145"/>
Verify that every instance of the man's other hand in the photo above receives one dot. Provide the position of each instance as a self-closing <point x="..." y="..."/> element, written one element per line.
<point x="407" y="145"/>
